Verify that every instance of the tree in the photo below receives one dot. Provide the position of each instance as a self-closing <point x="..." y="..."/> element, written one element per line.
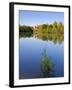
<point x="55" y="27"/>
<point x="61" y="28"/>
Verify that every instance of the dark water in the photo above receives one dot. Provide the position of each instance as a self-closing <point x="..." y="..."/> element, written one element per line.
<point x="30" y="56"/>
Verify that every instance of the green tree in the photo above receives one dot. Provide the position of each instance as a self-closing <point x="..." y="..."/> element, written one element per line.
<point x="55" y="27"/>
<point x="61" y="28"/>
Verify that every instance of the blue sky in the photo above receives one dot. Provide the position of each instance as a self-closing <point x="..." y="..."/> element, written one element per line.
<point x="32" y="18"/>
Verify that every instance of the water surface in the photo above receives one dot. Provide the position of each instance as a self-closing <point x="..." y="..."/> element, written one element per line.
<point x="30" y="56"/>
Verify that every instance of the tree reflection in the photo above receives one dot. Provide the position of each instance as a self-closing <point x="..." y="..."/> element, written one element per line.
<point x="56" y="38"/>
<point x="53" y="32"/>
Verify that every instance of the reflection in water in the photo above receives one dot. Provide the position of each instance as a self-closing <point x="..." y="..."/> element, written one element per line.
<point x="41" y="63"/>
<point x="56" y="38"/>
<point x="25" y="34"/>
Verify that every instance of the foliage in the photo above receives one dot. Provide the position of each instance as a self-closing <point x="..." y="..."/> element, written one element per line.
<point x="47" y="65"/>
<point x="25" y="31"/>
<point x="25" y="28"/>
<point x="53" y="32"/>
<point x="56" y="28"/>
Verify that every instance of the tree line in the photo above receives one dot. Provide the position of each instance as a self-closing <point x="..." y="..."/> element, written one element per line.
<point x="53" y="31"/>
<point x="55" y="28"/>
<point x="25" y="31"/>
<point x="44" y="28"/>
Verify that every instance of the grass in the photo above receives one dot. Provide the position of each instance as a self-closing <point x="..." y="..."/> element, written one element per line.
<point x="47" y="64"/>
